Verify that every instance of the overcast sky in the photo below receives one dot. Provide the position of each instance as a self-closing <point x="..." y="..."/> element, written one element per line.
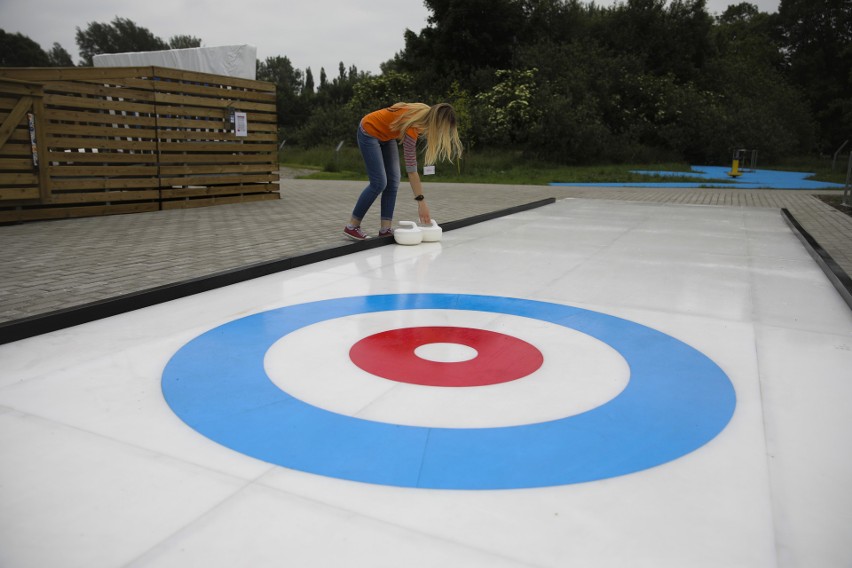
<point x="311" y="33"/>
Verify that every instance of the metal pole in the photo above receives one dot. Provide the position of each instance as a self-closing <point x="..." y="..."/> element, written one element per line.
<point x="337" y="153"/>
<point x="834" y="160"/>
<point x="847" y="189"/>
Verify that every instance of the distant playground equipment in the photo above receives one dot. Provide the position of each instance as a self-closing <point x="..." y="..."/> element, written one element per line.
<point x="717" y="177"/>
<point x="743" y="161"/>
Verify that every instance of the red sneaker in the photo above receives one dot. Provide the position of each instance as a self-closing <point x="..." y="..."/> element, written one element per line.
<point x="386" y="232"/>
<point x="354" y="233"/>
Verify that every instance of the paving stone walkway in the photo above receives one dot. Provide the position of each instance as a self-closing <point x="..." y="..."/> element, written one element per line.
<point x="55" y="265"/>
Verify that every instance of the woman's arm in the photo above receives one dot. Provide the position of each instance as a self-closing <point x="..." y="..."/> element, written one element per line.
<point x="417" y="189"/>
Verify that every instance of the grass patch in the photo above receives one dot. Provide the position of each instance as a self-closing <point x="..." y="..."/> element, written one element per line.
<point x="820" y="167"/>
<point x="836" y="201"/>
<point x="492" y="167"/>
<point x="330" y="164"/>
<point x="513" y="169"/>
<point x="505" y="167"/>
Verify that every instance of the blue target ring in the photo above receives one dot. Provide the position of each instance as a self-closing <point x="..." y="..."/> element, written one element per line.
<point x="676" y="401"/>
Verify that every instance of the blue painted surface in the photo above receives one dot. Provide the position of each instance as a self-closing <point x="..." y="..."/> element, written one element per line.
<point x="717" y="177"/>
<point x="676" y="401"/>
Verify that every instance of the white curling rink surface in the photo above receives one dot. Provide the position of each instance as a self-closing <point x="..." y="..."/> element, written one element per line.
<point x="96" y="470"/>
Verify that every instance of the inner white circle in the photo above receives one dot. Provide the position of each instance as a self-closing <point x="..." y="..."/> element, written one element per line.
<point x="579" y="373"/>
<point x="446" y="352"/>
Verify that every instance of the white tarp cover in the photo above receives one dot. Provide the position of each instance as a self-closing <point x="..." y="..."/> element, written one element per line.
<point x="229" y="60"/>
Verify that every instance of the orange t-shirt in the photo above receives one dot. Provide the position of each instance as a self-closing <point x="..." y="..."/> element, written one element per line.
<point x="378" y="125"/>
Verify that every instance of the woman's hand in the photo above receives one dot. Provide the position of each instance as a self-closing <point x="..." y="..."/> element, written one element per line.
<point x="417" y="189"/>
<point x="423" y="212"/>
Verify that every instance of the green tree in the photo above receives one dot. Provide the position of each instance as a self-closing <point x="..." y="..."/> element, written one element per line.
<point x="640" y="80"/>
<point x="817" y="40"/>
<point x="119" y="36"/>
<point x="58" y="57"/>
<point x="339" y="90"/>
<point x="279" y="70"/>
<point x="745" y="33"/>
<point x="569" y="132"/>
<point x="308" y="89"/>
<point x="506" y="109"/>
<point x="328" y="115"/>
<point x="184" y="42"/>
<point x="746" y="100"/>
<point x="18" y="50"/>
<point x="462" y="38"/>
<point x="372" y="93"/>
<point x="462" y="102"/>
<point x="673" y="38"/>
<point x="742" y="12"/>
<point x="291" y="107"/>
<point x="329" y="124"/>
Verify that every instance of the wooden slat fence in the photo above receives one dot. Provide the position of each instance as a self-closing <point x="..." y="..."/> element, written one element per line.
<point x="79" y="142"/>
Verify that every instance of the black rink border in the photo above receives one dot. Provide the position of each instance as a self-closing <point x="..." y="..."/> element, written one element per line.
<point x="23" y="328"/>
<point x="838" y="278"/>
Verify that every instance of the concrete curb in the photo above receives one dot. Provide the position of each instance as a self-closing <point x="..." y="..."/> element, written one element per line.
<point x="836" y="275"/>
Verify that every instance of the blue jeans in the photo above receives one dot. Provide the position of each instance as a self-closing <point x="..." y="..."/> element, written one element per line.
<point x="382" y="162"/>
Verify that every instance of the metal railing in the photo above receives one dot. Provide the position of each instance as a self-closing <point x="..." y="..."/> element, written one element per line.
<point x="837" y="153"/>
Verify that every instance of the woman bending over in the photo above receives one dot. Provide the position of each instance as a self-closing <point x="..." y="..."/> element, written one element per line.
<point x="379" y="134"/>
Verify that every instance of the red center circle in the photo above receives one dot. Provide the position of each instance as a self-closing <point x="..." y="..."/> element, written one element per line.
<point x="500" y="358"/>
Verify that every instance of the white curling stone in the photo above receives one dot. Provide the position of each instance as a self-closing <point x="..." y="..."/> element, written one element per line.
<point x="431" y="233"/>
<point x="408" y="233"/>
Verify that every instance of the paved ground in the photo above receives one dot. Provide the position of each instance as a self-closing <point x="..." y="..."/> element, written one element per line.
<point x="54" y="265"/>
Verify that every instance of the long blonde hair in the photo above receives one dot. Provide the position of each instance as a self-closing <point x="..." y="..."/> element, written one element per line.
<point x="437" y="124"/>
